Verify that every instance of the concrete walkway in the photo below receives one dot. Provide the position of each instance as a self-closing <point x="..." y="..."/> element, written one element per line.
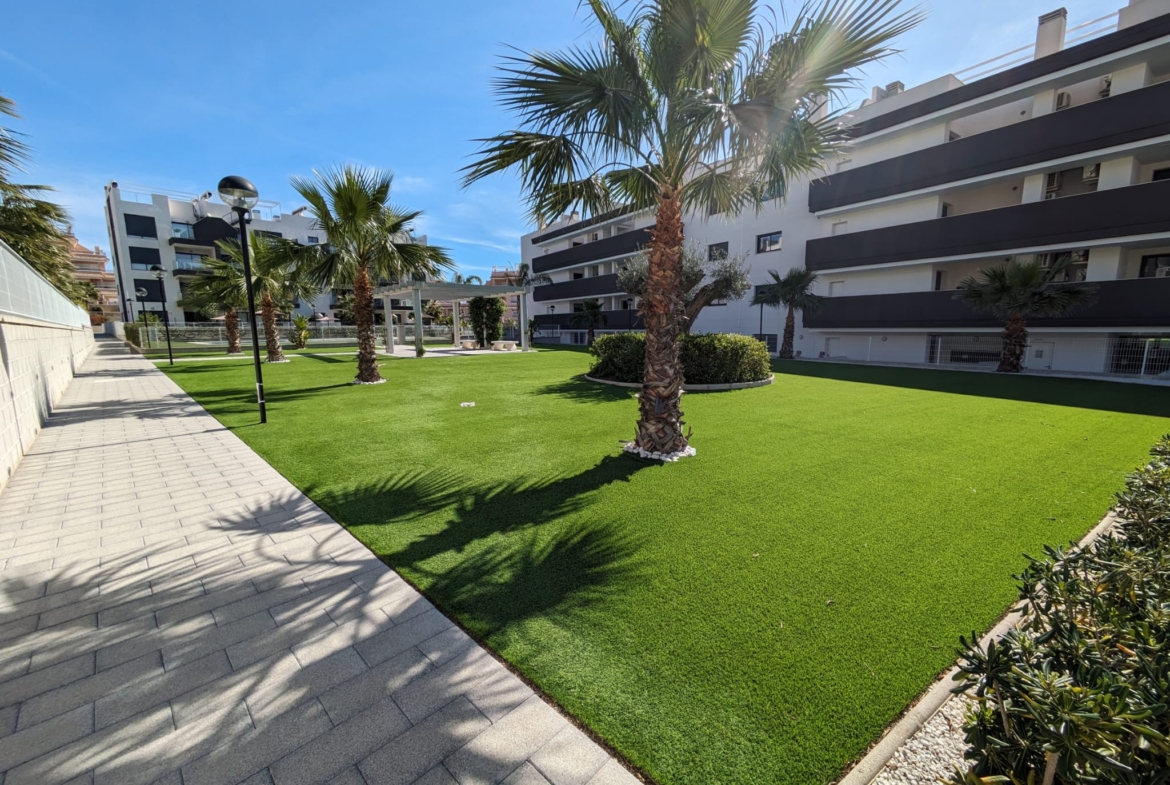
<point x="173" y="611"/>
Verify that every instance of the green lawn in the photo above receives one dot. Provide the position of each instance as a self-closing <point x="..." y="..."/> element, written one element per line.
<point x="757" y="614"/>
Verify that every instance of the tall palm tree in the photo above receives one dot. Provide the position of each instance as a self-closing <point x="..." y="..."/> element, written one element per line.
<point x="467" y="279"/>
<point x="367" y="237"/>
<point x="793" y="291"/>
<point x="683" y="105"/>
<point x="765" y="295"/>
<point x="278" y="276"/>
<point x="1015" y="292"/>
<point x="220" y="289"/>
<point x="590" y="317"/>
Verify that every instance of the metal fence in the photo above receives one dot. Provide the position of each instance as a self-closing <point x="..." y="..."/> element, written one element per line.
<point x="1134" y="355"/>
<point x="213" y="334"/>
<point x="23" y="292"/>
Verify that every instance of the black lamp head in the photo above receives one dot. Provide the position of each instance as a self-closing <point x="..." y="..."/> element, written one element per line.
<point x="238" y="192"/>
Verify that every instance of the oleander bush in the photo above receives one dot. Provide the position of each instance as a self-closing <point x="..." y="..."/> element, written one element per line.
<point x="1078" y="693"/>
<point x="708" y="358"/>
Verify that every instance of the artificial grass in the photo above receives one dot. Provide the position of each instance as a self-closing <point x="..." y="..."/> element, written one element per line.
<point x="757" y="614"/>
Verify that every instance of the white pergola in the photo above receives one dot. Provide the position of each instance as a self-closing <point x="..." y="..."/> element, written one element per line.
<point x="417" y="291"/>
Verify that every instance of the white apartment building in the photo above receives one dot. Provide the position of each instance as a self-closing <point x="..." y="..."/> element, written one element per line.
<point x="1062" y="147"/>
<point x="150" y="226"/>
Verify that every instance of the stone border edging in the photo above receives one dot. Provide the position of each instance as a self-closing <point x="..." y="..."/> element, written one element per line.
<point x="870" y="766"/>
<point x="692" y="387"/>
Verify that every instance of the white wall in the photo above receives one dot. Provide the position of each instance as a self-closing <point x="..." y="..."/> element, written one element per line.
<point x="38" y="356"/>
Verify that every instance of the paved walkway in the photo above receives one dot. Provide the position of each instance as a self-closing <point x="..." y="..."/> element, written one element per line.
<point x="173" y="611"/>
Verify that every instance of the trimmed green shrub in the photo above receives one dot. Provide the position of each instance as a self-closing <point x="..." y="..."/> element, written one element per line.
<point x="485" y="314"/>
<point x="133" y="334"/>
<point x="711" y="358"/>
<point x="1078" y="692"/>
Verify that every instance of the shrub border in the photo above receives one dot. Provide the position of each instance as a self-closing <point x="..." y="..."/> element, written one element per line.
<point x="869" y="766"/>
<point x="692" y="387"/>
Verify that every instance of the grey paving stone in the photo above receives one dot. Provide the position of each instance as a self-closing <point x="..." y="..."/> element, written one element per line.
<point x="330" y="753"/>
<point x="308" y="682"/>
<point x="570" y="758"/>
<point x="424" y="746"/>
<point x="46" y="679"/>
<point x="88" y="690"/>
<point x="494" y="754"/>
<point x="147" y="693"/>
<point x="259" y="778"/>
<point x="404" y="636"/>
<point x="436" y="776"/>
<point x="613" y="773"/>
<point x="8" y="719"/>
<point x="233" y="762"/>
<point x="446" y="645"/>
<point x="350" y="697"/>
<point x="526" y="775"/>
<point x="350" y="776"/>
<point x="24" y="745"/>
<point x="426" y="695"/>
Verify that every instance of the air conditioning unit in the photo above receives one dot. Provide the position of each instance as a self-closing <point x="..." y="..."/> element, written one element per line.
<point x="1091" y="174"/>
<point x="1053" y="181"/>
<point x="1063" y="101"/>
<point x="1051" y="195"/>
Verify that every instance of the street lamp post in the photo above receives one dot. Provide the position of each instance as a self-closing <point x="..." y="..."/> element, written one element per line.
<point x="141" y="293"/>
<point x="159" y="273"/>
<point x="240" y="195"/>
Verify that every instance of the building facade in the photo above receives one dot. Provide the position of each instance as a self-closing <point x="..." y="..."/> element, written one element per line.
<point x="90" y="266"/>
<point x="175" y="231"/>
<point x="1065" y="155"/>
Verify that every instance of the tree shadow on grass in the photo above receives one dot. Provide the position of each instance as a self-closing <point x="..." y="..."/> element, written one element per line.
<point x="578" y="388"/>
<point x="510" y="564"/>
<point x="1102" y="395"/>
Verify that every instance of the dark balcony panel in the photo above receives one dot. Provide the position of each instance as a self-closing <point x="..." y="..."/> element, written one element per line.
<point x="1129" y="117"/>
<point x="140" y="226"/>
<point x="614" y="320"/>
<point x="1136" y="302"/>
<point x="1066" y="58"/>
<point x="618" y="245"/>
<point x="553" y="234"/>
<point x="1117" y="212"/>
<point x="207" y="231"/>
<point x="600" y="286"/>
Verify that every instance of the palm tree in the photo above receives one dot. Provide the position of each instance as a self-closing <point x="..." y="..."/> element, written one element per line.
<point x="1017" y="291"/>
<point x="367" y="236"/>
<point x="278" y="276"/>
<point x="590" y="317"/>
<point x="525" y="276"/>
<point x="793" y="291"/>
<point x="765" y="294"/>
<point x="30" y="224"/>
<point x="467" y="279"/>
<point x="684" y="105"/>
<point x="220" y="289"/>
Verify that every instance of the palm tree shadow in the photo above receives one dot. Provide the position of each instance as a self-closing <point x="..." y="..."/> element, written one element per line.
<point x="578" y="388"/>
<point x="501" y="556"/>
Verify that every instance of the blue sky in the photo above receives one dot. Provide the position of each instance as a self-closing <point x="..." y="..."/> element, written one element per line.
<point x="177" y="95"/>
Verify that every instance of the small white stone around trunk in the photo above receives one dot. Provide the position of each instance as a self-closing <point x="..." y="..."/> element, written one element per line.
<point x="669" y="457"/>
<point x="380" y="381"/>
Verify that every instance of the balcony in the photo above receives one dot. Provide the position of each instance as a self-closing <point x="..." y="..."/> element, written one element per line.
<point x="618" y="245"/>
<point x="598" y="286"/>
<point x="1129" y="117"/>
<point x="205" y="232"/>
<point x="1115" y="213"/>
<point x="614" y="320"/>
<point x="1130" y="303"/>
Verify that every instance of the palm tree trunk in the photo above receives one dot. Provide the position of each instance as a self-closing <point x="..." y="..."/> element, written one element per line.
<point x="363" y="315"/>
<point x="589" y="335"/>
<point x="1015" y="343"/>
<point x="789" y="334"/>
<point x="659" y="428"/>
<point x="231" y="325"/>
<point x="271" y="336"/>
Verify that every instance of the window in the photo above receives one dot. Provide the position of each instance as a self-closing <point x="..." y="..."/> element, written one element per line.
<point x="312" y="239"/>
<point x="841" y="227"/>
<point x="718" y="301"/>
<point x="1161" y="174"/>
<point x="939" y="280"/>
<point x="593" y="237"/>
<point x="836" y="288"/>
<point x="717" y="251"/>
<point x="1155" y="267"/>
<point x="947" y="209"/>
<point x="144" y="258"/>
<point x="140" y="226"/>
<point x="153" y="290"/>
<point x="578" y="307"/>
<point x="953" y="137"/>
<point x="768" y="242"/>
<point x="627" y="304"/>
<point x="769" y="339"/>
<point x="182" y="231"/>
<point x="267" y="233"/>
<point x="578" y="275"/>
<point x="188" y="261"/>
<point x="595" y="271"/>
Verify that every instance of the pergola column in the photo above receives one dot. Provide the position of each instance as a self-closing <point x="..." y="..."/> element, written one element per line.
<point x="389" y="325"/>
<point x="523" y="298"/>
<point x="455" y="323"/>
<point x="418" y="325"/>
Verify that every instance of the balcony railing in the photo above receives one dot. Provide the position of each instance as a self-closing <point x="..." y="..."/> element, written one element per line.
<point x="1122" y="119"/>
<point x="614" y="320"/>
<point x="598" y="286"/>
<point x="608" y="248"/>
<point x="1137" y="302"/>
<point x="1114" y="213"/>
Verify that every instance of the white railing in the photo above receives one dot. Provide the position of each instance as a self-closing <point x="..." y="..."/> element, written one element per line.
<point x="1072" y="36"/>
<point x="23" y="292"/>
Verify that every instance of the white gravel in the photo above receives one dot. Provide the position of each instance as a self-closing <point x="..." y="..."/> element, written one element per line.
<point x="934" y="752"/>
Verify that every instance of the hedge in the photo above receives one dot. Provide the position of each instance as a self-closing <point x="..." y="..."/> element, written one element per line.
<point x="711" y="358"/>
<point x="1078" y="692"/>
